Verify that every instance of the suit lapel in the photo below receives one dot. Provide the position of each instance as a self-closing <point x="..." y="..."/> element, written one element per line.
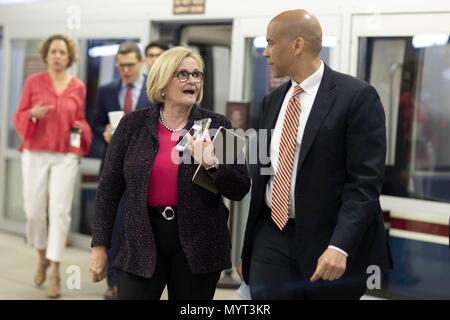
<point x="322" y="105"/>
<point x="273" y="110"/>
<point x="115" y="105"/>
<point x="143" y="101"/>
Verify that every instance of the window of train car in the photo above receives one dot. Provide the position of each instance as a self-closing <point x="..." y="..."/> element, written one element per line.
<point x="258" y="79"/>
<point x="412" y="76"/>
<point x="1" y="74"/>
<point x="25" y="61"/>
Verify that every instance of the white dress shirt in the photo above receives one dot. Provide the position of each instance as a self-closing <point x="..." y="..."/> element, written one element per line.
<point x="310" y="87"/>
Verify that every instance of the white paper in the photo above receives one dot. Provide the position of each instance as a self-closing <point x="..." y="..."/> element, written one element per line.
<point x="115" y="117"/>
<point x="244" y="292"/>
<point x="75" y="139"/>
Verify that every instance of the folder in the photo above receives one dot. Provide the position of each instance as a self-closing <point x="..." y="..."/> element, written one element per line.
<point x="227" y="148"/>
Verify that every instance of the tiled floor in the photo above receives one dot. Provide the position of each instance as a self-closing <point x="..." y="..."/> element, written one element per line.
<point x="18" y="264"/>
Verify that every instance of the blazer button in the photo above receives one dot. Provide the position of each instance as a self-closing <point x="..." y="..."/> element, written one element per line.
<point x="147" y="162"/>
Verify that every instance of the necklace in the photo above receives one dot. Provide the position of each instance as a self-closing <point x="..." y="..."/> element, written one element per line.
<point x="166" y="126"/>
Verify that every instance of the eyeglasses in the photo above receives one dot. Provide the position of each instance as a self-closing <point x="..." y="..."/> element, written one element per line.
<point x="126" y="65"/>
<point x="183" y="75"/>
<point x="153" y="55"/>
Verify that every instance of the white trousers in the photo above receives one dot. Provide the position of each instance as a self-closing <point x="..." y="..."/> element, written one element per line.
<point x="48" y="186"/>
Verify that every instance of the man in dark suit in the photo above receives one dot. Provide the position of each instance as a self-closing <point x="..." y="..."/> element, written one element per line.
<point x="127" y="93"/>
<point x="315" y="223"/>
<point x="117" y="94"/>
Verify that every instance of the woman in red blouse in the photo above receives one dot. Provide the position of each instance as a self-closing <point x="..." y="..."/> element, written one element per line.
<point x="50" y="120"/>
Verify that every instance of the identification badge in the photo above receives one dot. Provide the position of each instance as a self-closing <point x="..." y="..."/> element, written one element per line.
<point x="75" y="138"/>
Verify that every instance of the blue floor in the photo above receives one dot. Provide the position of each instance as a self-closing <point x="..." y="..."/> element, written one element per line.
<point x="421" y="269"/>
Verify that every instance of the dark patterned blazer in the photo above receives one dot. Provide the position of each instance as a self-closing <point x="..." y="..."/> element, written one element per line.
<point x="202" y="216"/>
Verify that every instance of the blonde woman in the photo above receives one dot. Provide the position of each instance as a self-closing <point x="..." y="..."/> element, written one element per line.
<point x="175" y="232"/>
<point x="50" y="120"/>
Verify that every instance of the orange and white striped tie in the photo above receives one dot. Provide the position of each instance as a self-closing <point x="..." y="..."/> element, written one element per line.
<point x="282" y="181"/>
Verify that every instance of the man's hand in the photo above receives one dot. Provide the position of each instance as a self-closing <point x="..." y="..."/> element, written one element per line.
<point x="330" y="266"/>
<point x="108" y="133"/>
<point x="39" y="111"/>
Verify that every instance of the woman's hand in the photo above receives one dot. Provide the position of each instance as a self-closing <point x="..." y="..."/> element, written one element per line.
<point x="99" y="264"/>
<point x="39" y="111"/>
<point x="202" y="151"/>
<point x="79" y="126"/>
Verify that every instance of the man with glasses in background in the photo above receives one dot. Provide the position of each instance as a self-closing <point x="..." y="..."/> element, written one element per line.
<point x="152" y="51"/>
<point x="127" y="93"/>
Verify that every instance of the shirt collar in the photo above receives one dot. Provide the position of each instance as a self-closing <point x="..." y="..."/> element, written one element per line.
<point x="312" y="81"/>
<point x="137" y="84"/>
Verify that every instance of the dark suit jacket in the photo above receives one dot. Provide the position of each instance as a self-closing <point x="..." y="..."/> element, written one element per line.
<point x="108" y="100"/>
<point x="339" y="176"/>
<point x="202" y="216"/>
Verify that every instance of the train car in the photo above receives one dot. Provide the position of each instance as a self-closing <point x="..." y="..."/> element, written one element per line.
<point x="402" y="48"/>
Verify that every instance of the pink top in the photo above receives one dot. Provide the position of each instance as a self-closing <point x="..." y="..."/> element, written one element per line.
<point x="51" y="132"/>
<point x="162" y="189"/>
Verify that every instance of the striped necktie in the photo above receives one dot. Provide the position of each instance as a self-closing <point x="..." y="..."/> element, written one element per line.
<point x="282" y="181"/>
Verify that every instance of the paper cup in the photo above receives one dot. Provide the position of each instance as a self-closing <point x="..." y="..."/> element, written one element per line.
<point x="114" y="118"/>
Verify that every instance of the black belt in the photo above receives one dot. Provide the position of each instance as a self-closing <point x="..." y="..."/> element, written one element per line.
<point x="167" y="212"/>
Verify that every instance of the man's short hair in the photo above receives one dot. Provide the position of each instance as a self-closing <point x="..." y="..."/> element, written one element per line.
<point x="128" y="47"/>
<point x="163" y="71"/>
<point x="158" y="44"/>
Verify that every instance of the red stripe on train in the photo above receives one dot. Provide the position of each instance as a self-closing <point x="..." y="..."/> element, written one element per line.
<point x="89" y="178"/>
<point x="419" y="226"/>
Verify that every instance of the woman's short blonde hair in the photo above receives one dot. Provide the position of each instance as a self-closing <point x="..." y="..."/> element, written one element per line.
<point x="163" y="70"/>
<point x="71" y="47"/>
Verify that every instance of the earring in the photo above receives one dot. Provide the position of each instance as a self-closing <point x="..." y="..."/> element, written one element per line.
<point x="163" y="95"/>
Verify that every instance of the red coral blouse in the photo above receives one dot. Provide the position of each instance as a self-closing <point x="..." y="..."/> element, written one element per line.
<point x="51" y="133"/>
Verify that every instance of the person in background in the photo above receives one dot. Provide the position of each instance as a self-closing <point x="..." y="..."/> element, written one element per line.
<point x="127" y="93"/>
<point x="175" y="232"/>
<point x="315" y="223"/>
<point x="152" y="51"/>
<point x="51" y="123"/>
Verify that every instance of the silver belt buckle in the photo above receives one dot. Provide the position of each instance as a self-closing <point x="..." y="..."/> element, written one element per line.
<point x="171" y="214"/>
